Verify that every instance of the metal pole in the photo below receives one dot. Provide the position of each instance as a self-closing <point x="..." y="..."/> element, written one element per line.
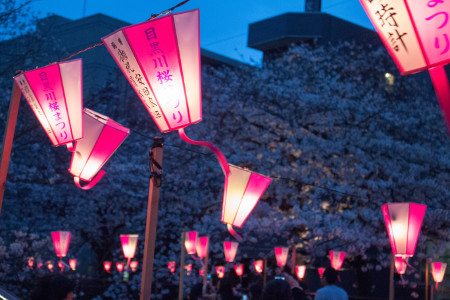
<point x="180" y="286"/>
<point x="391" y="279"/>
<point x="265" y="272"/>
<point x="205" y="265"/>
<point x="293" y="259"/>
<point x="426" y="279"/>
<point x="8" y="138"/>
<point x="156" y="156"/>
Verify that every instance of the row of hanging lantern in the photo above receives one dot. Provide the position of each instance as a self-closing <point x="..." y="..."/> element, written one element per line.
<point x="120" y="266"/>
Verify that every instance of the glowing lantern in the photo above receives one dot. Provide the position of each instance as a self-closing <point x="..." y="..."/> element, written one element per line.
<point x="119" y="266"/>
<point x="438" y="271"/>
<point x="133" y="265"/>
<point x="190" y="242"/>
<point x="55" y="96"/>
<point x="102" y="136"/>
<point x="107" y="266"/>
<point x="161" y="59"/>
<point x="129" y="242"/>
<point x="416" y="34"/>
<point x="61" y="265"/>
<point x="31" y="262"/>
<point x="220" y="270"/>
<point x="188" y="269"/>
<point x="403" y="222"/>
<point x="242" y="191"/>
<point x="73" y="264"/>
<point x="230" y="249"/>
<point x="200" y="272"/>
<point x="401" y="263"/>
<point x="39" y="265"/>
<point x="321" y="271"/>
<point x="172" y="266"/>
<point x="258" y="264"/>
<point x="202" y="246"/>
<point x="300" y="271"/>
<point x="239" y="269"/>
<point x="61" y="241"/>
<point x="281" y="254"/>
<point x="337" y="259"/>
<point x="50" y="265"/>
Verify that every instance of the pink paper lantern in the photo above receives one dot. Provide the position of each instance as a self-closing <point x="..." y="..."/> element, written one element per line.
<point x="259" y="265"/>
<point x="220" y="271"/>
<point x="200" y="272"/>
<point x="281" y="254"/>
<point x="50" y="265"/>
<point x="73" y="264"/>
<point x="39" y="265"/>
<point x="403" y="222"/>
<point x="337" y="259"/>
<point x="55" y="96"/>
<point x="242" y="191"/>
<point x="172" y="266"/>
<point x="438" y="271"/>
<point x="161" y="60"/>
<point x="190" y="242"/>
<point x="133" y="265"/>
<point x="239" y="269"/>
<point x="107" y="266"/>
<point x="188" y="269"/>
<point x="119" y="266"/>
<point x="102" y="136"/>
<point x="31" y="262"/>
<point x="129" y="243"/>
<point x="401" y="263"/>
<point x="300" y="271"/>
<point x="61" y="241"/>
<point x="202" y="246"/>
<point x="230" y="249"/>
<point x="321" y="271"/>
<point x="61" y="265"/>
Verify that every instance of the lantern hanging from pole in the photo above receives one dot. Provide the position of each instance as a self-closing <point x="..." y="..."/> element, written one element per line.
<point x="416" y="34"/>
<point x="239" y="269"/>
<point x="61" y="241"/>
<point x="31" y="262"/>
<point x="119" y="266"/>
<point x="438" y="271"/>
<point x="401" y="263"/>
<point x="202" y="246"/>
<point x="161" y="60"/>
<point x="259" y="265"/>
<point x="220" y="271"/>
<point x="230" y="249"/>
<point x="281" y="254"/>
<point x="172" y="266"/>
<point x="321" y="271"/>
<point x="73" y="264"/>
<point x="403" y="222"/>
<point x="129" y="243"/>
<point x="300" y="271"/>
<point x="102" y="137"/>
<point x="54" y="94"/>
<point x="190" y="242"/>
<point x="107" y="266"/>
<point x="337" y="259"/>
<point x="133" y="265"/>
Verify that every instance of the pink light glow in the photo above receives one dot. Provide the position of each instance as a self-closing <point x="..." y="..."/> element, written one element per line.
<point x="172" y="266"/>
<point x="133" y="265"/>
<point x="119" y="266"/>
<point x="220" y="271"/>
<point x="281" y="254"/>
<point x="39" y="265"/>
<point x="163" y="56"/>
<point x="401" y="263"/>
<point x="230" y="249"/>
<point x="129" y="243"/>
<point x="61" y="241"/>
<point x="61" y="265"/>
<point x="190" y="242"/>
<point x="53" y="89"/>
<point x="258" y="264"/>
<point x="50" y="266"/>
<point x="300" y="271"/>
<point x="321" y="270"/>
<point x="107" y="266"/>
<point x="202" y="246"/>
<point x="73" y="264"/>
<point x="31" y="262"/>
<point x="200" y="272"/>
<point x="239" y="269"/>
<point x="403" y="222"/>
<point x="188" y="269"/>
<point x="438" y="271"/>
<point x="337" y="259"/>
<point x="242" y="191"/>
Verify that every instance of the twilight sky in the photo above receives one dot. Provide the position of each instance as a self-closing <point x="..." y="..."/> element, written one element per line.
<point x="224" y="24"/>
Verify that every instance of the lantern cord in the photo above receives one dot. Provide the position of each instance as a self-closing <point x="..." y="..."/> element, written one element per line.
<point x="193" y="257"/>
<point x="234" y="233"/>
<point x="167" y="11"/>
<point x="81" y="51"/>
<point x="70" y="147"/>
<point x="90" y="184"/>
<point x="219" y="155"/>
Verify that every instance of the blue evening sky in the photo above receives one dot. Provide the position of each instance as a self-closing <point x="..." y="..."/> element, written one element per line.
<point x="224" y="24"/>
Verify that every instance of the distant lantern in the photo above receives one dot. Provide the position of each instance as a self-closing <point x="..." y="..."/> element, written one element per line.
<point x="190" y="242"/>
<point x="403" y="222"/>
<point x="202" y="246"/>
<point x="416" y="34"/>
<point x="321" y="271"/>
<point x="61" y="241"/>
<point x="31" y="262"/>
<point x="61" y="265"/>
<point x="188" y="269"/>
<point x="239" y="269"/>
<point x="73" y="264"/>
<point x="230" y="249"/>
<point x="242" y="191"/>
<point x="200" y="272"/>
<point x="172" y="266"/>
<point x="220" y="271"/>
<point x="107" y="266"/>
<point x="102" y="136"/>
<point x="133" y="265"/>
<point x="55" y="96"/>
<point x="119" y="266"/>
<point x="438" y="271"/>
<point x="129" y="242"/>
<point x="281" y="254"/>
<point x="337" y="259"/>
<point x="50" y="265"/>
<point x="259" y="265"/>
<point x="300" y="271"/>
<point x="401" y="263"/>
<point x="39" y="265"/>
<point x="161" y="60"/>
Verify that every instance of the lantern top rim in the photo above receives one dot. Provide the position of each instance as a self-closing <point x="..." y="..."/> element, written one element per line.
<point x="20" y="72"/>
<point x="130" y="235"/>
<point x="250" y="171"/>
